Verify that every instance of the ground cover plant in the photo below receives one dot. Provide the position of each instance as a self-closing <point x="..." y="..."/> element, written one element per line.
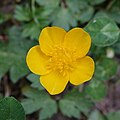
<point x="22" y="97"/>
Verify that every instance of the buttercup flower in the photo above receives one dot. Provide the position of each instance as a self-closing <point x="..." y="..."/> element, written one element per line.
<point x="60" y="58"/>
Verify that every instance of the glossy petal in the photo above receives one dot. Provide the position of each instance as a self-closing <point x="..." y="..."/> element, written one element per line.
<point x="79" y="40"/>
<point x="54" y="82"/>
<point x="83" y="72"/>
<point x="37" y="61"/>
<point x="50" y="37"/>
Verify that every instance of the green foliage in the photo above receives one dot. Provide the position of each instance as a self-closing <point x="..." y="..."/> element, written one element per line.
<point x="101" y="18"/>
<point x="114" y="115"/>
<point x="33" y="20"/>
<point x="12" y="55"/>
<point x="116" y="46"/>
<point x="35" y="80"/>
<point x="56" y="12"/>
<point x="62" y="17"/>
<point x="103" y="31"/>
<point x="38" y="100"/>
<point x="74" y="103"/>
<point x="11" y="109"/>
<point x="96" y="2"/>
<point x="96" y="90"/>
<point x="50" y="3"/>
<point x="31" y="30"/>
<point x="105" y="69"/>
<point x="80" y="12"/>
<point x="114" y="10"/>
<point x="96" y="115"/>
<point x="23" y="13"/>
<point x="66" y="15"/>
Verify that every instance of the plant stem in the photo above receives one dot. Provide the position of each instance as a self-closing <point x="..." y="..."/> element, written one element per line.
<point x="33" y="12"/>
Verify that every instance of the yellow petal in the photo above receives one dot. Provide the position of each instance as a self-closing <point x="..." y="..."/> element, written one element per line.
<point x="79" y="40"/>
<point x="54" y="82"/>
<point x="50" y="37"/>
<point x="37" y="61"/>
<point x="84" y="69"/>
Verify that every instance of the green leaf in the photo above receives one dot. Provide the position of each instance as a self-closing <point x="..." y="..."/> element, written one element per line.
<point x="23" y="13"/>
<point x="85" y="15"/>
<point x="48" y="109"/>
<point x="105" y="69"/>
<point x="35" y="79"/>
<point x="114" y="10"/>
<point x="96" y="90"/>
<point x="72" y="104"/>
<point x="11" y="109"/>
<point x="116" y="46"/>
<point x="62" y="17"/>
<point x="79" y="11"/>
<point x="98" y="52"/>
<point x="38" y="100"/>
<point x="65" y="15"/>
<point x="101" y="14"/>
<point x="4" y="66"/>
<point x="96" y="2"/>
<point x="69" y="108"/>
<point x="96" y="115"/>
<point x="103" y="31"/>
<point x="34" y="20"/>
<point x="48" y="3"/>
<point x="31" y="30"/>
<point x="114" y="115"/>
<point x="13" y="54"/>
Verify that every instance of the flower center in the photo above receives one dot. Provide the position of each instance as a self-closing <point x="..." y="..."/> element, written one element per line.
<point x="61" y="60"/>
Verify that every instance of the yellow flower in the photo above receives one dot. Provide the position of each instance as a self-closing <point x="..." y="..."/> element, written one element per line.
<point x="60" y="58"/>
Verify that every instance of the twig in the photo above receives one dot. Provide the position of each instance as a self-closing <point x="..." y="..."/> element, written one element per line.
<point x="110" y="4"/>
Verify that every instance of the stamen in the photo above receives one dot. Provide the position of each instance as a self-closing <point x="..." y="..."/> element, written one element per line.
<point x="62" y="60"/>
